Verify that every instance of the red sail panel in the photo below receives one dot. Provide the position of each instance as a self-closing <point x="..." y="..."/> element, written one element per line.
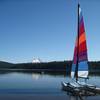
<point x="75" y="53"/>
<point x="82" y="42"/>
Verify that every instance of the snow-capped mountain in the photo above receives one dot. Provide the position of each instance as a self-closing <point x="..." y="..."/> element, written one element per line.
<point x="36" y="60"/>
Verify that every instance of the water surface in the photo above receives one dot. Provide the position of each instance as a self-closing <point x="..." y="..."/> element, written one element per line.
<point x="37" y="83"/>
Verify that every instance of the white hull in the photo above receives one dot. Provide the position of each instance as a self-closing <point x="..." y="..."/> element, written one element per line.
<point x="76" y="89"/>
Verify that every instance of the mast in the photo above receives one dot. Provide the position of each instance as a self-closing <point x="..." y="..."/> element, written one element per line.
<point x="76" y="71"/>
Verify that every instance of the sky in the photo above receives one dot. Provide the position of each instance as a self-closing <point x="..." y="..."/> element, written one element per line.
<point x="46" y="29"/>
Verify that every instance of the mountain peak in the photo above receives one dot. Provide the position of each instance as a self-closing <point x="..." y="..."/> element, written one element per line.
<point x="36" y="60"/>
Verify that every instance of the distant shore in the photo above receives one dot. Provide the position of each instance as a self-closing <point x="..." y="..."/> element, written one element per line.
<point x="61" y="66"/>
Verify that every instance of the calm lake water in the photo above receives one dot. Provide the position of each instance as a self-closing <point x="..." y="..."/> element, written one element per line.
<point x="37" y="83"/>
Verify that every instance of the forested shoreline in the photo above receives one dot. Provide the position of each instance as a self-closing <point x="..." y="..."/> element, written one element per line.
<point x="94" y="66"/>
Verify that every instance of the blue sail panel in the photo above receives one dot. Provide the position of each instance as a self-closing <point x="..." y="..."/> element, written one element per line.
<point x="73" y="70"/>
<point x="83" y="69"/>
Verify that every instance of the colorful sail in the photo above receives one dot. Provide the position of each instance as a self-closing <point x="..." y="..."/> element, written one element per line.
<point x="74" y="61"/>
<point x="80" y="52"/>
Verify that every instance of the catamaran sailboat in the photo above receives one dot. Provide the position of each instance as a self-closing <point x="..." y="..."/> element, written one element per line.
<point x="80" y="61"/>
